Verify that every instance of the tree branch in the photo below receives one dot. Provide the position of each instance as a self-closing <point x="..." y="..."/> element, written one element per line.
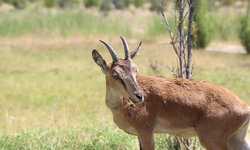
<point x="169" y="30"/>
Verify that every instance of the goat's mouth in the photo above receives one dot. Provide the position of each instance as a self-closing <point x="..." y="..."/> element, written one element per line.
<point x="136" y="102"/>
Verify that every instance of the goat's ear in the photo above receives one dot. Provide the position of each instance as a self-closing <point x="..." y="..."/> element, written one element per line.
<point x="100" y="61"/>
<point x="135" y="51"/>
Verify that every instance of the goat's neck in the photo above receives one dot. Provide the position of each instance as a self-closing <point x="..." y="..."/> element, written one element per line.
<point x="113" y="100"/>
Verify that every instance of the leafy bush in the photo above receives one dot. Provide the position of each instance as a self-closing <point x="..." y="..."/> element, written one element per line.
<point x="244" y="33"/>
<point x="201" y="18"/>
<point x="50" y="3"/>
<point x="91" y="3"/>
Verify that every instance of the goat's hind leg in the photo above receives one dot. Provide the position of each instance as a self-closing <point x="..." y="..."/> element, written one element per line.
<point x="239" y="140"/>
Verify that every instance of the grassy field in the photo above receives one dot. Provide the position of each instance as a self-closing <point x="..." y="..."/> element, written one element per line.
<point x="53" y="97"/>
<point x="52" y="93"/>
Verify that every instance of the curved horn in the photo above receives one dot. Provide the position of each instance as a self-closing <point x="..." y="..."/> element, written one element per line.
<point x="126" y="49"/>
<point x="111" y="51"/>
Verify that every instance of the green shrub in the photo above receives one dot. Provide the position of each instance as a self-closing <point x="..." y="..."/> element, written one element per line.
<point x="244" y="33"/>
<point x="201" y="18"/>
<point x="91" y="3"/>
<point x="139" y="3"/>
<point x="50" y="3"/>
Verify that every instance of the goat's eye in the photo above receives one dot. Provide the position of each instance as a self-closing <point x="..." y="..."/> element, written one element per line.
<point x="115" y="77"/>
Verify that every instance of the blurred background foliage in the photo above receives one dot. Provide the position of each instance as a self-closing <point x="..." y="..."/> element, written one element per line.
<point x="206" y="18"/>
<point x="21" y="4"/>
<point x="204" y="24"/>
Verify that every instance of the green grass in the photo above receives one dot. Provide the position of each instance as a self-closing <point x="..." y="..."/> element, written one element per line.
<point x="69" y="138"/>
<point x="59" y="22"/>
<point x="54" y="98"/>
<point x="95" y="138"/>
<point x="46" y="81"/>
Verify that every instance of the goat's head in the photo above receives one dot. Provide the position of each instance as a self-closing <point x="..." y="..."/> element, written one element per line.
<point x="121" y="73"/>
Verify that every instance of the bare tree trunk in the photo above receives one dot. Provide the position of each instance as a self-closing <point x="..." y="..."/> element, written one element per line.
<point x="182" y="38"/>
<point x="191" y="29"/>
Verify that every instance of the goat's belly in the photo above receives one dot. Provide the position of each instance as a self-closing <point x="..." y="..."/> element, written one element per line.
<point x="180" y="132"/>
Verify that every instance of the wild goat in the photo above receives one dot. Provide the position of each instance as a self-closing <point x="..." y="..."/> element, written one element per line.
<point x="143" y="105"/>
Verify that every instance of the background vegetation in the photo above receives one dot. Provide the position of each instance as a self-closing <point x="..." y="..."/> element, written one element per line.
<point x="53" y="95"/>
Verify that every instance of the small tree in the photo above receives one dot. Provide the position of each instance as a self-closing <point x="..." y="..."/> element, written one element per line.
<point x="183" y="44"/>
